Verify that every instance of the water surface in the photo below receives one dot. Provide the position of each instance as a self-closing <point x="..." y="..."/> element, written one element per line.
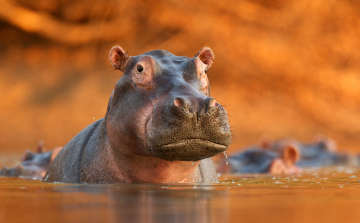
<point x="323" y="195"/>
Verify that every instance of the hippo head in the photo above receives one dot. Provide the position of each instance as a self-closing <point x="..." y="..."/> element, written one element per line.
<point x="320" y="152"/>
<point x="261" y="160"/>
<point x="161" y="107"/>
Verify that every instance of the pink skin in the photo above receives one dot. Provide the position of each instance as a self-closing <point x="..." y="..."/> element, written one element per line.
<point x="136" y="163"/>
<point x="279" y="167"/>
<point x="55" y="151"/>
<point x="201" y="68"/>
<point x="286" y="163"/>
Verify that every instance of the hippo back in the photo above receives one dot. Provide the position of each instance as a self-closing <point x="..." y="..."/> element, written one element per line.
<point x="66" y="167"/>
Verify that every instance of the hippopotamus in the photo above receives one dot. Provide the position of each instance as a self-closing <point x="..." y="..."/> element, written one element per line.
<point x="33" y="164"/>
<point x="161" y="125"/>
<point x="259" y="160"/>
<point x="320" y="152"/>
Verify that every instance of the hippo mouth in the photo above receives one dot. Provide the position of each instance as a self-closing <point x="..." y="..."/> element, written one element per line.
<point x="188" y="150"/>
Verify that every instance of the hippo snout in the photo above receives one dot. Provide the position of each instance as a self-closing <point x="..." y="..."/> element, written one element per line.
<point x="188" y="129"/>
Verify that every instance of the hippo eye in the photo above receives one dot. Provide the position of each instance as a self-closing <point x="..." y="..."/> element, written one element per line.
<point x="205" y="70"/>
<point x="140" y="68"/>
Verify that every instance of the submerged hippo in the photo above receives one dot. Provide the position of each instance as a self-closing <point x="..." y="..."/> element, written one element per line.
<point x="33" y="164"/>
<point x="161" y="125"/>
<point x="259" y="160"/>
<point x="320" y="152"/>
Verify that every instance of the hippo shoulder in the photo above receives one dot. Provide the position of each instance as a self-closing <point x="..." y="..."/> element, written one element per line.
<point x="66" y="167"/>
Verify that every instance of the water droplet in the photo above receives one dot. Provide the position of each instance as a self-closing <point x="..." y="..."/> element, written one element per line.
<point x="225" y="155"/>
<point x="227" y="163"/>
<point x="193" y="163"/>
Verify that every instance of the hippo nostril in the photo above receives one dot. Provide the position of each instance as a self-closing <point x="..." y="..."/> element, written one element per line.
<point x="211" y="103"/>
<point x="180" y="102"/>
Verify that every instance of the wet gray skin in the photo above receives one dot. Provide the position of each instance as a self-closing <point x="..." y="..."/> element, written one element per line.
<point x="316" y="154"/>
<point x="252" y="160"/>
<point x="161" y="125"/>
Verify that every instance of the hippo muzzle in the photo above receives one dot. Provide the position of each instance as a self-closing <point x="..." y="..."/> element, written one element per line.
<point x="188" y="129"/>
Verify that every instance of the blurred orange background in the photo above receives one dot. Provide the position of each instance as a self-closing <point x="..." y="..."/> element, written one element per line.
<point x="282" y="68"/>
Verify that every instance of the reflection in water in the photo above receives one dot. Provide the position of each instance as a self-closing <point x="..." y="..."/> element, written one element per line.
<point x="327" y="195"/>
<point x="156" y="203"/>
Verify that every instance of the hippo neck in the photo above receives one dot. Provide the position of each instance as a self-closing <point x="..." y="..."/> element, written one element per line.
<point x="152" y="169"/>
<point x="107" y="165"/>
<point x="136" y="168"/>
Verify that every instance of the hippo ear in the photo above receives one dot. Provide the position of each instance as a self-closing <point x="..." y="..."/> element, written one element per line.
<point x="291" y="155"/>
<point x="118" y="58"/>
<point x="265" y="142"/>
<point x="324" y="142"/>
<point x="206" y="56"/>
<point x="40" y="147"/>
<point x="28" y="155"/>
